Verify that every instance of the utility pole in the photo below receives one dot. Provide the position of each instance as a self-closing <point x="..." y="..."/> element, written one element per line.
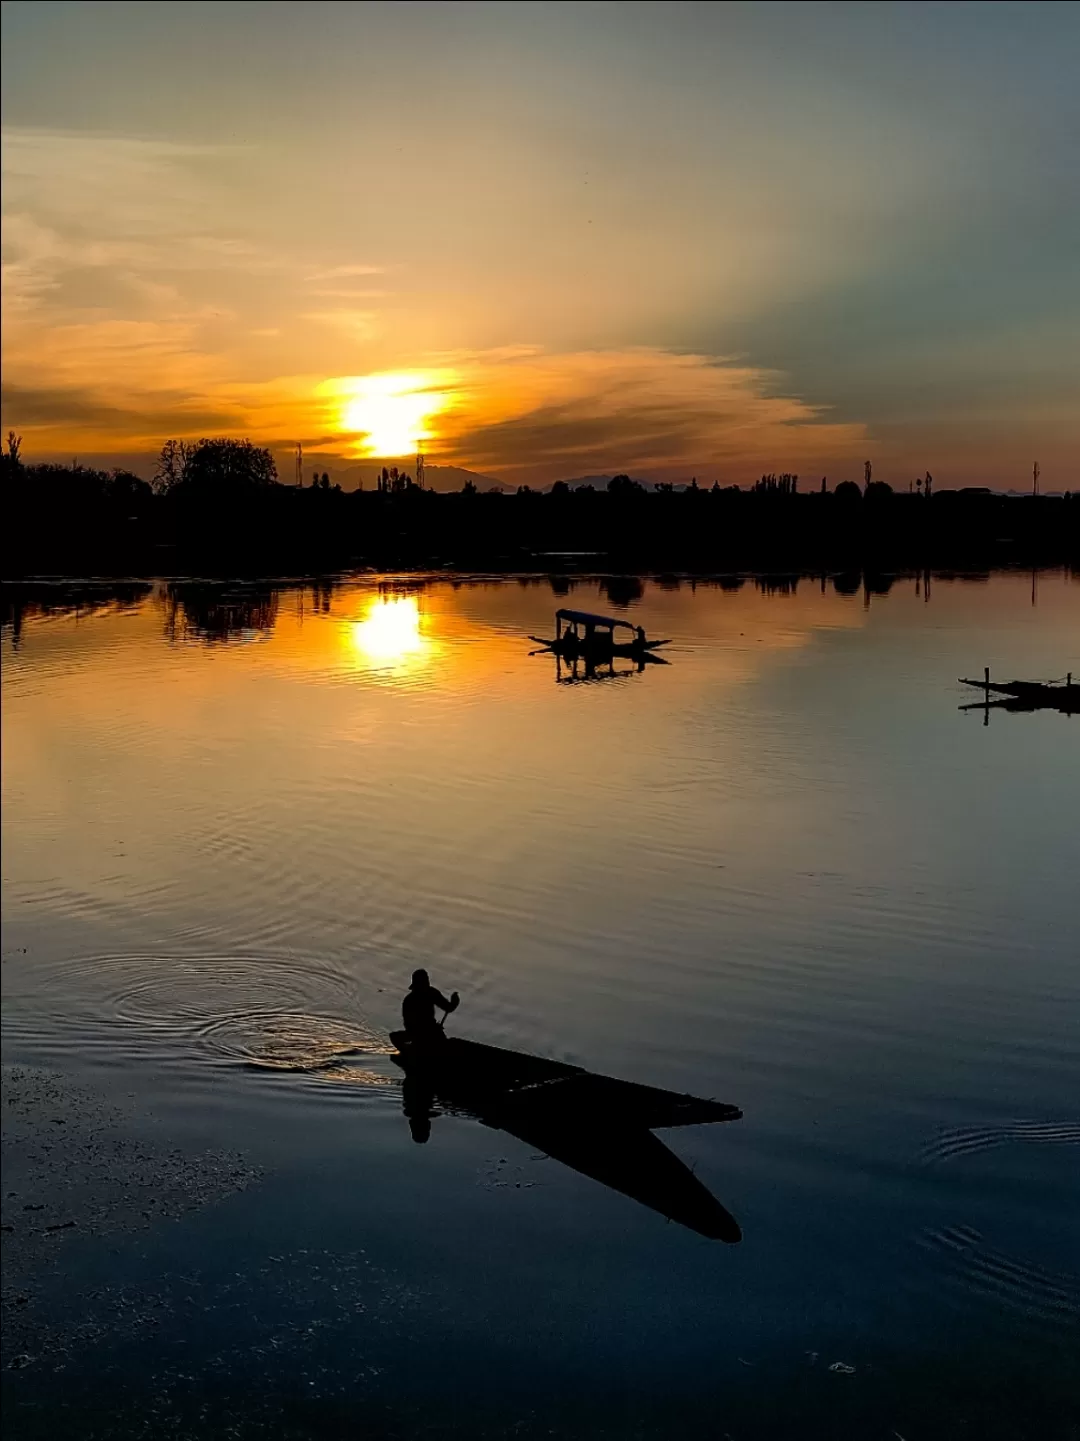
<point x="420" y="469"/>
<point x="1035" y="478"/>
<point x="299" y="463"/>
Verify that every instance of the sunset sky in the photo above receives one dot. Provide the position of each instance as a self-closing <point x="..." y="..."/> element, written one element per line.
<point x="544" y="240"/>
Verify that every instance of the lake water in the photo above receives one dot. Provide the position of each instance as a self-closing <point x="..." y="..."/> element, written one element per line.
<point x="783" y="870"/>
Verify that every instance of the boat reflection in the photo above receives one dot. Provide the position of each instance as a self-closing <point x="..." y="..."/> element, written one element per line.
<point x="596" y="1125"/>
<point x="577" y="670"/>
<point x="586" y="647"/>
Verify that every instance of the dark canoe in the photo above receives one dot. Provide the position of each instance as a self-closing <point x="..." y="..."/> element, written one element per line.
<point x="598" y="1126"/>
<point x="532" y="1081"/>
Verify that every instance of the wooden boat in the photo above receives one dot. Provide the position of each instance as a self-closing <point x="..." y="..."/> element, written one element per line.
<point x="513" y="1077"/>
<point x="597" y="1125"/>
<point x="1026" y="695"/>
<point x="581" y="633"/>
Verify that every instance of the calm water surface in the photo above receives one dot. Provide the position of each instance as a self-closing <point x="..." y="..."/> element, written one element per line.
<point x="783" y="870"/>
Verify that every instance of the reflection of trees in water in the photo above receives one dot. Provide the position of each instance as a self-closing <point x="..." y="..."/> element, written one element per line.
<point x="219" y="612"/>
<point x="623" y="590"/>
<point x="876" y="584"/>
<point x="777" y="584"/>
<point x="322" y="596"/>
<point x="407" y="585"/>
<point x="20" y="602"/>
<point x="851" y="582"/>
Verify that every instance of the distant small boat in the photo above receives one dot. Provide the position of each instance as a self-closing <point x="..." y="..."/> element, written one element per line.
<point x="581" y="633"/>
<point x="1026" y="695"/>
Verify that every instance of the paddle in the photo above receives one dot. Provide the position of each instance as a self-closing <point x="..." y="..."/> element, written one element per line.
<point x="454" y="998"/>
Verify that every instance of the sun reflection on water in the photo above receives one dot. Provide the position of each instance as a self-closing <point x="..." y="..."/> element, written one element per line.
<point x="390" y="633"/>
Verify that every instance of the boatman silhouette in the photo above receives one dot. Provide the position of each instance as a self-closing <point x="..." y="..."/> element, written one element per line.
<point x="418" y="1009"/>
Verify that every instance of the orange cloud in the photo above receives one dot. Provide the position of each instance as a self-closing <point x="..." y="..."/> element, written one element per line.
<point x="537" y="416"/>
<point x="128" y="319"/>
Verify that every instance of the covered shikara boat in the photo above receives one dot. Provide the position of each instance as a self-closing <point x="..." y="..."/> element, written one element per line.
<point x="581" y="633"/>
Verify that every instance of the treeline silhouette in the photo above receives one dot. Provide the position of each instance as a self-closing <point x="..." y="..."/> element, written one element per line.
<point x="218" y="505"/>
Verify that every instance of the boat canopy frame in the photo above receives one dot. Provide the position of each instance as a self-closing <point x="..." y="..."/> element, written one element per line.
<point x="583" y="625"/>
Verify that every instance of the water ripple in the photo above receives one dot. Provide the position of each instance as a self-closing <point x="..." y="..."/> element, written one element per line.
<point x="253" y="1012"/>
<point x="969" y="1140"/>
<point x="989" y="1274"/>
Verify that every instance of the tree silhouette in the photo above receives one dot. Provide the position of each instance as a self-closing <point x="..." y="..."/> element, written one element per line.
<point x="170" y="466"/>
<point x="621" y="485"/>
<point x="128" y="489"/>
<point x="785" y="484"/>
<point x="231" y="464"/>
<point x="878" y="490"/>
<point x="214" y="468"/>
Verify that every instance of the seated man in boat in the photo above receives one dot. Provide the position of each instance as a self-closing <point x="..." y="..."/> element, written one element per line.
<point x="418" y="1009"/>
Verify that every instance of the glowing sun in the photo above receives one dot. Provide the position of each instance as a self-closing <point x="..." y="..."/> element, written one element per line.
<point x="391" y="415"/>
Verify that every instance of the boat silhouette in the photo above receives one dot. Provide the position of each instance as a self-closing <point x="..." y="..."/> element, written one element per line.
<point x="581" y="633"/>
<point x="596" y="1125"/>
<point x="1025" y="695"/>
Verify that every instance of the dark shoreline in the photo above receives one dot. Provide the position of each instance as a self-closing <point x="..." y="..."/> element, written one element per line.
<point x="305" y="531"/>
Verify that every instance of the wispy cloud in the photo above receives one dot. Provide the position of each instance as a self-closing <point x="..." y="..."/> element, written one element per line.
<point x="356" y="324"/>
<point x="533" y="415"/>
<point x="105" y="202"/>
<point x="132" y="303"/>
<point x="134" y="312"/>
<point x="136" y="214"/>
<point x="343" y="292"/>
<point x="344" y="272"/>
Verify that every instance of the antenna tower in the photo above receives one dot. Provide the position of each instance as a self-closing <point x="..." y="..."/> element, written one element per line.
<point x="420" y="469"/>
<point x="299" y="463"/>
<point x="1035" y="478"/>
